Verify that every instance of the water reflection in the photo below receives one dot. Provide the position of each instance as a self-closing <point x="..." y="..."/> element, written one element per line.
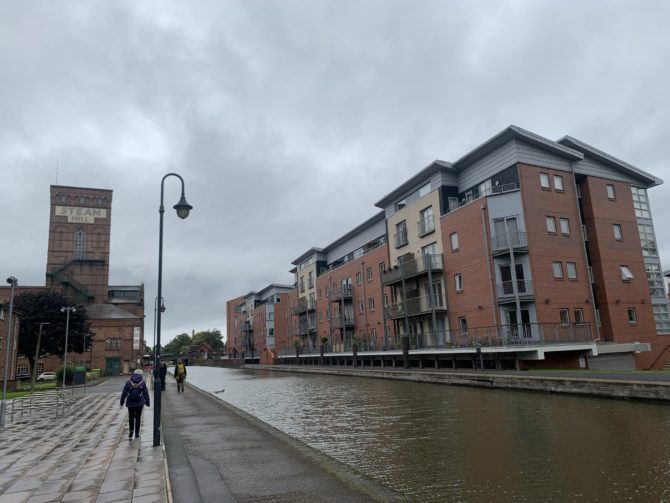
<point x="442" y="443"/>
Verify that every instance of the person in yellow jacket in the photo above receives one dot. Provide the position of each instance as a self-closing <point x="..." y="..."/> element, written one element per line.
<point x="180" y="375"/>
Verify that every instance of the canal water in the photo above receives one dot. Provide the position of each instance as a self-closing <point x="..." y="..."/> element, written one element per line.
<point x="433" y="442"/>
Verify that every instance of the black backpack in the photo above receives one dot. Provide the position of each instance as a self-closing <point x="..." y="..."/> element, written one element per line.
<point x="135" y="393"/>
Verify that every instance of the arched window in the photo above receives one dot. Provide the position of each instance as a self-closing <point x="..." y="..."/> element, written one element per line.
<point x="79" y="244"/>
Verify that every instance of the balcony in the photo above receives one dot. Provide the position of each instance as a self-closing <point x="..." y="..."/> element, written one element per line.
<point x="503" y="243"/>
<point x="400" y="239"/>
<point x="345" y="292"/>
<point x="247" y="328"/>
<point x="417" y="306"/>
<point x="304" y="306"/>
<point x="343" y="321"/>
<point x="505" y="291"/>
<point x="426" y="225"/>
<point x="413" y="267"/>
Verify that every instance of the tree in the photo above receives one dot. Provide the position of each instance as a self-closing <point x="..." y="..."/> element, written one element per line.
<point x="177" y="346"/>
<point x="212" y="337"/>
<point x="44" y="306"/>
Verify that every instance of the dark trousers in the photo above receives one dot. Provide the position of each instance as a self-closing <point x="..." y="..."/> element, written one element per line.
<point x="134" y="419"/>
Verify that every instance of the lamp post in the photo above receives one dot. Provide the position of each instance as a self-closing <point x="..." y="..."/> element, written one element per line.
<point x="37" y="355"/>
<point x="8" y="346"/>
<point x="66" y="310"/>
<point x="183" y="209"/>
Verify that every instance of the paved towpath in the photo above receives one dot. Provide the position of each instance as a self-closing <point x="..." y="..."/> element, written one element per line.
<point x="217" y="453"/>
<point x="84" y="456"/>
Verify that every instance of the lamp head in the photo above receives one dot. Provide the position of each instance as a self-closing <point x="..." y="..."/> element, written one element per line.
<point x="182" y="207"/>
<point x="12" y="280"/>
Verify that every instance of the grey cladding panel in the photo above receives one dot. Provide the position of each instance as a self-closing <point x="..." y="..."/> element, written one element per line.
<point x="487" y="166"/>
<point x="591" y="167"/>
<point x="531" y="155"/>
<point x="364" y="237"/>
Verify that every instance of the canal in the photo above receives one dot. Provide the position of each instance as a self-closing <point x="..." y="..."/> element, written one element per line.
<point x="434" y="442"/>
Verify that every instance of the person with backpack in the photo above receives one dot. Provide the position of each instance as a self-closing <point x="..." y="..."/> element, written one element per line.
<point x="180" y="375"/>
<point x="135" y="395"/>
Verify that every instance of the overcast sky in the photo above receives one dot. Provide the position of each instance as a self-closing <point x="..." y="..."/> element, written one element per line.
<point x="289" y="119"/>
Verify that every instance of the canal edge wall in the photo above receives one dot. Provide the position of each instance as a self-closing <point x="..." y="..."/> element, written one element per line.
<point x="603" y="388"/>
<point x="348" y="475"/>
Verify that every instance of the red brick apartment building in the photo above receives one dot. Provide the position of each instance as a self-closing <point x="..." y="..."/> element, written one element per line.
<point x="524" y="253"/>
<point x="78" y="265"/>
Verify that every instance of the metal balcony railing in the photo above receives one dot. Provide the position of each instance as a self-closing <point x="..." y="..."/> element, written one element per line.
<point x="416" y="306"/>
<point x="304" y="306"/>
<point x="524" y="288"/>
<point x="343" y="321"/>
<point x="426" y="225"/>
<point x="505" y="241"/>
<point x="344" y="292"/>
<point x="413" y="267"/>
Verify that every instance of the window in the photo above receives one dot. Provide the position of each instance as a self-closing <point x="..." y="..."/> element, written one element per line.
<point x="427" y="222"/>
<point x="310" y="280"/>
<point x="79" y="244"/>
<point x="647" y="240"/>
<point x="571" y="270"/>
<point x="359" y="278"/>
<point x="302" y="283"/>
<point x="578" y="315"/>
<point x="438" y="298"/>
<point x="544" y="181"/>
<point x="564" y="315"/>
<point x="565" y="226"/>
<point x="271" y="332"/>
<point x="463" y="324"/>
<point x="662" y="317"/>
<point x="361" y="306"/>
<point x="551" y="224"/>
<point x="626" y="274"/>
<point x="655" y="280"/>
<point x="485" y="188"/>
<point x="371" y="304"/>
<point x="632" y="316"/>
<point x="558" y="270"/>
<point x="373" y="334"/>
<point x="640" y="202"/>
<point x="611" y="194"/>
<point x="400" y="234"/>
<point x="382" y="266"/>
<point x="386" y="300"/>
<point x="369" y="273"/>
<point x="453" y="239"/>
<point x="327" y="291"/>
<point x="558" y="182"/>
<point x="458" y="280"/>
<point x="271" y="316"/>
<point x="312" y="301"/>
<point x="617" y="232"/>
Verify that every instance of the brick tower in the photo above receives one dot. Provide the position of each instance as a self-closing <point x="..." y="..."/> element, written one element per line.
<point x="79" y="238"/>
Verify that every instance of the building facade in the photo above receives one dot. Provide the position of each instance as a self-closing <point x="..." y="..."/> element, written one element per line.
<point x="78" y="253"/>
<point x="524" y="253"/>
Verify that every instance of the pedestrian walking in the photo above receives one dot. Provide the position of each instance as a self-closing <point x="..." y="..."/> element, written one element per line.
<point x="163" y="374"/>
<point x="180" y="375"/>
<point x="135" y="395"/>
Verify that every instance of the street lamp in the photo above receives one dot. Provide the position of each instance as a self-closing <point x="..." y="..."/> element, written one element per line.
<point x="37" y="355"/>
<point x="3" y="407"/>
<point x="67" y="310"/>
<point x="183" y="209"/>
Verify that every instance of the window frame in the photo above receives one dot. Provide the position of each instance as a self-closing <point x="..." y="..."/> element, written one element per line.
<point x="611" y="194"/>
<point x="562" y="188"/>
<point x="453" y="241"/>
<point x="371" y="303"/>
<point x="632" y="320"/>
<point x="566" y="221"/>
<point x="550" y="221"/>
<point x="564" y="316"/>
<point x="369" y="274"/>
<point x="543" y="177"/>
<point x="618" y="233"/>
<point x="458" y="282"/>
<point x="557" y="267"/>
<point x="626" y="274"/>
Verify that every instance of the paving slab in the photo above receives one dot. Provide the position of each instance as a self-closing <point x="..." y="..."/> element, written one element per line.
<point x="82" y="456"/>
